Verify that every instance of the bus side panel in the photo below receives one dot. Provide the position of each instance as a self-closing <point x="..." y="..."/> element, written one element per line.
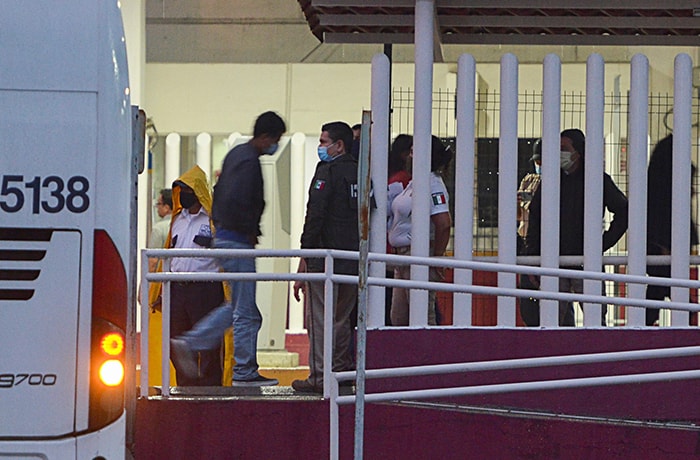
<point x="47" y="182"/>
<point x="65" y="157"/>
<point x="36" y="380"/>
<point x="41" y="40"/>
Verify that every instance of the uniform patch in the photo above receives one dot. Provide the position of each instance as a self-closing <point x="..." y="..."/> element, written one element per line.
<point x="439" y="198"/>
<point x="319" y="184"/>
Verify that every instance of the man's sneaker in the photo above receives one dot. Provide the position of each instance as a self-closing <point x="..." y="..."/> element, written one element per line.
<point x="258" y="381"/>
<point x="304" y="386"/>
<point x="184" y="359"/>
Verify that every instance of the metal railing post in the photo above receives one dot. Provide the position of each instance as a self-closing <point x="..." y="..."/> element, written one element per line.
<point x="680" y="195"/>
<point x="165" y="333"/>
<point x="551" y="111"/>
<point x="145" y="322"/>
<point x="593" y="185"/>
<point x="464" y="184"/>
<point x="328" y="310"/>
<point x="507" y="183"/>
<point x="637" y="196"/>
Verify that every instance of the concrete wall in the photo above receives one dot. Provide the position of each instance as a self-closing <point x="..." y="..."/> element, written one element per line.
<point x="225" y="98"/>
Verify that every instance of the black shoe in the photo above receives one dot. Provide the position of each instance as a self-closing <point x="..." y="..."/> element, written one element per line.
<point x="184" y="359"/>
<point x="304" y="386"/>
<point x="258" y="381"/>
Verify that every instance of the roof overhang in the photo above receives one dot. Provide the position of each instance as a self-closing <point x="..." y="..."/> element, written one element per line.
<point x="524" y="22"/>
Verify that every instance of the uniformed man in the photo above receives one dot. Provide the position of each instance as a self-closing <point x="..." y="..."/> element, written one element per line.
<point x="331" y="223"/>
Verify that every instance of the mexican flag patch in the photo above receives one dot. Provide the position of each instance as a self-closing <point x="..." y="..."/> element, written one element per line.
<point x="439" y="198"/>
<point x="319" y="184"/>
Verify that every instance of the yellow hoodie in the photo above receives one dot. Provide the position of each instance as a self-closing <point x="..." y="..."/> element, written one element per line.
<point x="196" y="179"/>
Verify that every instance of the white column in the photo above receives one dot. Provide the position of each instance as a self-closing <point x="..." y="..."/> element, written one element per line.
<point x="422" y="116"/>
<point x="172" y="158"/>
<point x="464" y="184"/>
<point x="203" y="155"/>
<point x="551" y="112"/>
<point x="507" y="186"/>
<point x="298" y="190"/>
<point x="379" y="167"/>
<point x="637" y="189"/>
<point x="680" y="197"/>
<point x="134" y="20"/>
<point x="232" y="139"/>
<point x="593" y="185"/>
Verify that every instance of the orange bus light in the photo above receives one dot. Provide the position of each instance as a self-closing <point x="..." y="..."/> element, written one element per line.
<point x="112" y="372"/>
<point x="112" y="344"/>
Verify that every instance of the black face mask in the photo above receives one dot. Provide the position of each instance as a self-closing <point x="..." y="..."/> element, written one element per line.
<point x="187" y="200"/>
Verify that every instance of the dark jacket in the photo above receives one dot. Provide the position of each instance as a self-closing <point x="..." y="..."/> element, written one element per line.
<point x="331" y="213"/>
<point x="238" y="194"/>
<point x="571" y="215"/>
<point x="659" y="198"/>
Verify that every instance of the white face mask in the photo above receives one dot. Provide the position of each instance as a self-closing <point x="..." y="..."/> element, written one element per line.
<point x="565" y="160"/>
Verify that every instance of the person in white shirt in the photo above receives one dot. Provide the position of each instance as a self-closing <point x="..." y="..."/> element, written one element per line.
<point x="191" y="300"/>
<point x="399" y="233"/>
<point x="160" y="229"/>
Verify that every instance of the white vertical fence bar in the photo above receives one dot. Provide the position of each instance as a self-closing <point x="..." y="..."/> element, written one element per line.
<point x="637" y="189"/>
<point x="327" y="330"/>
<point x="507" y="183"/>
<point x="593" y="184"/>
<point x="551" y="113"/>
<point x="297" y="186"/>
<point x="203" y="154"/>
<point x="680" y="197"/>
<point x="379" y="152"/>
<point x="422" y="116"/>
<point x="172" y="158"/>
<point x="145" y="323"/>
<point x="464" y="184"/>
<point x="165" y="333"/>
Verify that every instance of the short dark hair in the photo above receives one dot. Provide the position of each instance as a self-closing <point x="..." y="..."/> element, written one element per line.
<point x="339" y="131"/>
<point x="402" y="143"/>
<point x="536" y="150"/>
<point x="270" y="124"/>
<point x="356" y="126"/>
<point x="167" y="196"/>
<point x="440" y="156"/>
<point x="578" y="140"/>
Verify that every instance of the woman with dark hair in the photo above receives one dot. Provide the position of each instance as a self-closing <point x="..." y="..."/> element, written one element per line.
<point x="400" y="150"/>
<point x="400" y="231"/>
<point x="398" y="179"/>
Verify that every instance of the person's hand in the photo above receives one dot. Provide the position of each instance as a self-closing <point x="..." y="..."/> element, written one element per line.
<point x="299" y="286"/>
<point x="157" y="305"/>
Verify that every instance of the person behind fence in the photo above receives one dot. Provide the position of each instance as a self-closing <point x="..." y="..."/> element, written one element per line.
<point x="530" y="183"/>
<point x="659" y="196"/>
<point x="331" y="222"/>
<point x="191" y="300"/>
<point x="160" y="229"/>
<point x="398" y="179"/>
<point x="399" y="233"/>
<point x="356" y="134"/>
<point x="571" y="215"/>
<point x="237" y="210"/>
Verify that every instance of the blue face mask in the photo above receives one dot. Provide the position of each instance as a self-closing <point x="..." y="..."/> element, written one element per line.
<point x="271" y="149"/>
<point x="538" y="169"/>
<point x="323" y="154"/>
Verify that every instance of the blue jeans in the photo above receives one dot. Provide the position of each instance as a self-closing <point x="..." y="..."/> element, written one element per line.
<point x="242" y="312"/>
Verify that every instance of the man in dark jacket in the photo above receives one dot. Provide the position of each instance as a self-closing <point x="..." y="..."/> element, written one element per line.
<point x="237" y="210"/>
<point x="331" y="222"/>
<point x="659" y="204"/>
<point x="571" y="215"/>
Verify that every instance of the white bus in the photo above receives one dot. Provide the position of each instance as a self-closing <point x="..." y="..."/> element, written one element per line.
<point x="67" y="193"/>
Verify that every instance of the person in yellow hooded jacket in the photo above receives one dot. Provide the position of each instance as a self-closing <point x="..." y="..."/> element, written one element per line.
<point x="191" y="228"/>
